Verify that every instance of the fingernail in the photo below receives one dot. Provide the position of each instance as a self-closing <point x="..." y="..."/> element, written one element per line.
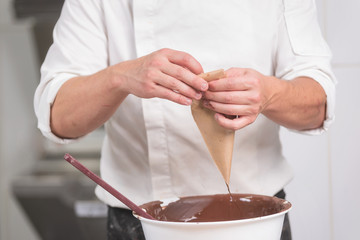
<point x="198" y="96"/>
<point x="216" y="116"/>
<point x="204" y="86"/>
<point x="188" y="101"/>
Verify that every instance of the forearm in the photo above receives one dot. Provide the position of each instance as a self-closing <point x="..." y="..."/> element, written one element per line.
<point x="298" y="104"/>
<point x="85" y="103"/>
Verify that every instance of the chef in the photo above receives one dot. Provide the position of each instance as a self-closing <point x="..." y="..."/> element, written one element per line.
<point x="133" y="65"/>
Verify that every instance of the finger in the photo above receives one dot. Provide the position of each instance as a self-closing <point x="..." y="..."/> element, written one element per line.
<point x="230" y="84"/>
<point x="168" y="94"/>
<point x="233" y="72"/>
<point x="229" y="97"/>
<point x="185" y="60"/>
<point x="184" y="75"/>
<point x="178" y="86"/>
<point x="234" y="124"/>
<point x="232" y="109"/>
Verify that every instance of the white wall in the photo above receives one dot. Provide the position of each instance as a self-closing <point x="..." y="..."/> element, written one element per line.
<point x="325" y="190"/>
<point x="344" y="36"/>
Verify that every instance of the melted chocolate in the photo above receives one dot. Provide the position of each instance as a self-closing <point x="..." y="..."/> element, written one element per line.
<point x="212" y="208"/>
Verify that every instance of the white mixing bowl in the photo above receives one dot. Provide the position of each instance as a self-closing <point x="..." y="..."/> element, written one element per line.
<point x="259" y="228"/>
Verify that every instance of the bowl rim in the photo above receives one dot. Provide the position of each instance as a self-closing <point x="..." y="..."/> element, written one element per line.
<point x="166" y="201"/>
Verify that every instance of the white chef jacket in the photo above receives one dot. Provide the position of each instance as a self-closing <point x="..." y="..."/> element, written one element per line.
<point x="153" y="148"/>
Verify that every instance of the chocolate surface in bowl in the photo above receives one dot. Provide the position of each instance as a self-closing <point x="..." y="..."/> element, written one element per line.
<point x="213" y="208"/>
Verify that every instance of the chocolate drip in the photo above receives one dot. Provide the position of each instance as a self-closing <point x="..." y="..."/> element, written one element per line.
<point x="232" y="202"/>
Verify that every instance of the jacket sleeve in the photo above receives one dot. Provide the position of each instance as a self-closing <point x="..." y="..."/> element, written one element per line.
<point x="79" y="48"/>
<point x="303" y="52"/>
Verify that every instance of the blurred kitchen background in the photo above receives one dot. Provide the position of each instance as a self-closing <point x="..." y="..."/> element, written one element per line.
<point x="42" y="197"/>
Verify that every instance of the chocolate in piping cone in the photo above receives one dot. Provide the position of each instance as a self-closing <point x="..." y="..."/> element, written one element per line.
<point x="219" y="141"/>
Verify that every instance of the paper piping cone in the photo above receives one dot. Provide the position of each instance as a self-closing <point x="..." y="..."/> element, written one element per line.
<point x="219" y="141"/>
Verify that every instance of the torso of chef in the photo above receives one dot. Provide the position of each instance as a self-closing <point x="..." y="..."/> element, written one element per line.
<point x="153" y="148"/>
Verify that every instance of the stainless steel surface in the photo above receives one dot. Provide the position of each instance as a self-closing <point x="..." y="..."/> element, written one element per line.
<point x="60" y="202"/>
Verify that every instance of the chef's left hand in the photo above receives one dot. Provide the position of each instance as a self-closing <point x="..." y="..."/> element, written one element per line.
<point x="242" y="95"/>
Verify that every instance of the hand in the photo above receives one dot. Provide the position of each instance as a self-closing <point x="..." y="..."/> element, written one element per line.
<point x="242" y="95"/>
<point x="166" y="73"/>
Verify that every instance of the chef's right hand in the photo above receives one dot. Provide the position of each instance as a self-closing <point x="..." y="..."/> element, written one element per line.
<point x="166" y="73"/>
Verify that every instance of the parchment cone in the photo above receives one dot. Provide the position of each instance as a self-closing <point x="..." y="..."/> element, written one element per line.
<point x="219" y="141"/>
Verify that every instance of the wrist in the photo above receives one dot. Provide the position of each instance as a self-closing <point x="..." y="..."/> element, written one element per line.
<point x="275" y="89"/>
<point x="116" y="79"/>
